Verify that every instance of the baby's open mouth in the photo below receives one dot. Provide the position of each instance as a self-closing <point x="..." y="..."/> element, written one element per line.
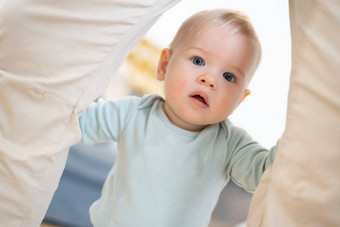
<point x="200" y="99"/>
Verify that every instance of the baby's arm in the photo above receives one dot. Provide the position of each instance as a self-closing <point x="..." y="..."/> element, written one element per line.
<point x="104" y="120"/>
<point x="248" y="160"/>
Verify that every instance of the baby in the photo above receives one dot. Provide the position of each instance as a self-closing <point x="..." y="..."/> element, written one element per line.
<point x="175" y="155"/>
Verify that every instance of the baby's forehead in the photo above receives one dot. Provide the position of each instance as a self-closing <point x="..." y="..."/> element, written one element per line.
<point x="191" y="34"/>
<point x="208" y="33"/>
<point x="195" y="32"/>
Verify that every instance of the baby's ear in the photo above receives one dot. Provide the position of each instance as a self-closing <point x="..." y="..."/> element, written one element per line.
<point x="163" y="64"/>
<point x="245" y="94"/>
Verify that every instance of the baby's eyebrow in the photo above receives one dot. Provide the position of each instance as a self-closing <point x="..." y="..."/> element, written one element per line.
<point x="197" y="48"/>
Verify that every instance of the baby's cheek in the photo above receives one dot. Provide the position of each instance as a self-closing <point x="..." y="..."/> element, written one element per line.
<point x="187" y="82"/>
<point x="224" y="107"/>
<point x="180" y="85"/>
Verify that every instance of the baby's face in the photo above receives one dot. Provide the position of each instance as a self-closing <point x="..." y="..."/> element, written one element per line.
<point x="206" y="77"/>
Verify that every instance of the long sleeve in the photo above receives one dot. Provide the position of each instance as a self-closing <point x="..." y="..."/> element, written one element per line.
<point x="104" y="120"/>
<point x="248" y="160"/>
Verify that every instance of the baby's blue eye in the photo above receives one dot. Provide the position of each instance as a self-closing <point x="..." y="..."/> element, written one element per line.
<point x="198" y="61"/>
<point x="229" y="76"/>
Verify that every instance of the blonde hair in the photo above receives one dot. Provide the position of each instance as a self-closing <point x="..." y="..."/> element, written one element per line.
<point x="231" y="20"/>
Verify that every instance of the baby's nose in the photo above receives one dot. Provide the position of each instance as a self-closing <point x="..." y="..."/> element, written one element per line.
<point x="208" y="80"/>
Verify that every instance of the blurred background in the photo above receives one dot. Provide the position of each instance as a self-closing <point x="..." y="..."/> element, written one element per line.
<point x="262" y="114"/>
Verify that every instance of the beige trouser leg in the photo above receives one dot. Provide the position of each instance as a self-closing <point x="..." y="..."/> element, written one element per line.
<point x="55" y="58"/>
<point x="302" y="188"/>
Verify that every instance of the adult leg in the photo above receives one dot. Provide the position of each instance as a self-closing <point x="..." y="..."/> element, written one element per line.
<point x="55" y="58"/>
<point x="302" y="186"/>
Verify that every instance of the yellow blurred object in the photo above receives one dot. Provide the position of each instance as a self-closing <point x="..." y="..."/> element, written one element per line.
<point x="142" y="66"/>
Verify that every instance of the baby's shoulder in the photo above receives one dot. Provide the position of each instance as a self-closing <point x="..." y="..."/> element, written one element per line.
<point x="134" y="102"/>
<point x="149" y="100"/>
<point x="233" y="132"/>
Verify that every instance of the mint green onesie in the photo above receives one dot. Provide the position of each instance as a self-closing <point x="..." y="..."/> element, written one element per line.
<point x="165" y="176"/>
